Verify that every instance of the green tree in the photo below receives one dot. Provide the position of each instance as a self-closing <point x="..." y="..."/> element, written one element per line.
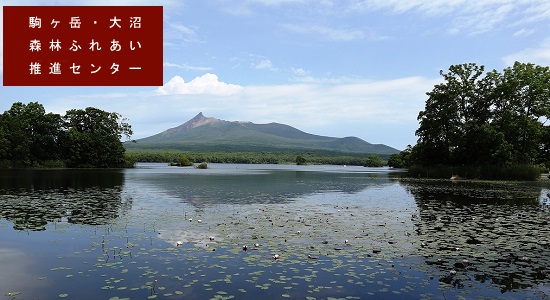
<point x="4" y="141"/>
<point x="545" y="148"/>
<point x="374" y="161"/>
<point x="92" y="138"/>
<point x="30" y="134"/>
<point x="300" y="160"/>
<point x="451" y="123"/>
<point x="130" y="160"/>
<point x="183" y="161"/>
<point x="495" y="118"/>
<point x="402" y="159"/>
<point x="522" y="108"/>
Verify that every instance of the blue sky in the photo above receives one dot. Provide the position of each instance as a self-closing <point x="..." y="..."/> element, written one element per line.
<point x="329" y="67"/>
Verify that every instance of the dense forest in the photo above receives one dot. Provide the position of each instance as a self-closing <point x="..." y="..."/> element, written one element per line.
<point x="30" y="137"/>
<point x="479" y="124"/>
<point x="274" y="157"/>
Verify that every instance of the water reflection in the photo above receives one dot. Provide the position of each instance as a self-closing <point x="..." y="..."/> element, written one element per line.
<point x="484" y="231"/>
<point x="254" y="186"/>
<point x="32" y="198"/>
<point x="372" y="235"/>
<point x="49" y="179"/>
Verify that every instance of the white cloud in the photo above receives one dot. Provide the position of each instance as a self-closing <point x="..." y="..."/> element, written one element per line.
<point x="482" y="21"/>
<point x="205" y="84"/>
<point x="277" y="2"/>
<point x="181" y="32"/>
<point x="246" y="7"/>
<point x="308" y="106"/>
<point x="524" y="32"/>
<point x="178" y="31"/>
<point x="304" y="76"/>
<point x="326" y="79"/>
<point x="425" y="7"/>
<point x="299" y="72"/>
<point x="264" y="64"/>
<point x="538" y="11"/>
<point x="539" y="55"/>
<point x="455" y="16"/>
<point x="327" y="32"/>
<point x="186" y="67"/>
<point x="471" y="16"/>
<point x="183" y="29"/>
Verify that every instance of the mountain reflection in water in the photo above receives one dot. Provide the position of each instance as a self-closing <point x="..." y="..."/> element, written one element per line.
<point x="340" y="232"/>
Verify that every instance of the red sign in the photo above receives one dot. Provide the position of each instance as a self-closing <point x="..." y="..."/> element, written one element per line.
<point x="83" y="46"/>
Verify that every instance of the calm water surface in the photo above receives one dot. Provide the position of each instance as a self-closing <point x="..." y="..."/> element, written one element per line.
<point x="159" y="232"/>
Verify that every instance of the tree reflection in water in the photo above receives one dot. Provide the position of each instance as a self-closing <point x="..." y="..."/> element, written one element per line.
<point x="32" y="198"/>
<point x="499" y="229"/>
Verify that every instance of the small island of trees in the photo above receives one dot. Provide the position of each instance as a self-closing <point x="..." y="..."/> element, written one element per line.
<point x="483" y="125"/>
<point x="30" y="137"/>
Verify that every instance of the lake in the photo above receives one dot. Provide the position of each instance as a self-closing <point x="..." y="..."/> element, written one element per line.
<point x="269" y="231"/>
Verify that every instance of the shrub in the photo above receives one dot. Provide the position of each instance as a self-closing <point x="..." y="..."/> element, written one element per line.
<point x="129" y="160"/>
<point x="53" y="164"/>
<point x="374" y="161"/>
<point x="300" y="160"/>
<point x="183" y="161"/>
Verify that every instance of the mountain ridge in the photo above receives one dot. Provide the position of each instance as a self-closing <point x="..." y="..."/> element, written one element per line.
<point x="209" y="134"/>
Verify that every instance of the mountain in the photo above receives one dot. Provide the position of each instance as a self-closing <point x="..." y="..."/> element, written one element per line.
<point x="211" y="135"/>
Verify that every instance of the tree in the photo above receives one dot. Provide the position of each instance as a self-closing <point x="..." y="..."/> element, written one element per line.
<point x="374" y="161"/>
<point x="474" y="118"/>
<point x="300" y="160"/>
<point x="31" y="136"/>
<point x="545" y="149"/>
<point x="92" y="138"/>
<point x="450" y="125"/>
<point x="4" y="142"/>
<point x="183" y="161"/>
<point x="522" y="109"/>
<point x="402" y="159"/>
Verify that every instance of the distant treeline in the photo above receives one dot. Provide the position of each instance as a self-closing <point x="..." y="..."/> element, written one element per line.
<point x="30" y="137"/>
<point x="251" y="157"/>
